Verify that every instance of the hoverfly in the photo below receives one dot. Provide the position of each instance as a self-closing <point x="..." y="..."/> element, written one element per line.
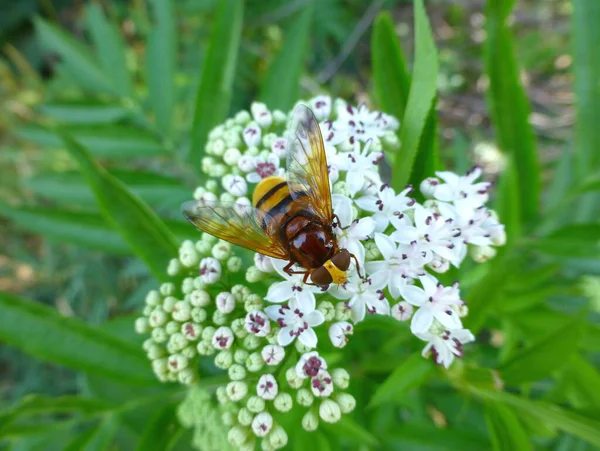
<point x="289" y="219"/>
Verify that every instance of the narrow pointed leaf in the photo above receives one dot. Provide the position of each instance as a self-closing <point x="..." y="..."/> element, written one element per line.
<point x="506" y="431"/>
<point x="420" y="98"/>
<point x="85" y="112"/>
<point x="216" y="80"/>
<point x="42" y="332"/>
<point x="147" y="235"/>
<point x="281" y="86"/>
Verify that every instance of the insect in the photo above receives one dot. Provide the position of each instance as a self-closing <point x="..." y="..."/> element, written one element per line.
<point x="289" y="219"/>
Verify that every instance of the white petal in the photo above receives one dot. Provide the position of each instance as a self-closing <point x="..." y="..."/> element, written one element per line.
<point x="339" y="292"/>
<point x="342" y="207"/>
<point x="449" y="177"/>
<point x="444" y="193"/>
<point x="280" y="292"/>
<point x="284" y="337"/>
<point x="378" y="280"/>
<point x="414" y="295"/>
<point x="272" y="312"/>
<point x="355" y="182"/>
<point x="367" y="203"/>
<point x="406" y="234"/>
<point x="363" y="229"/>
<point x="306" y="300"/>
<point x="358" y="311"/>
<point x="386" y="245"/>
<point x="308" y="338"/>
<point x="382" y="220"/>
<point x="355" y="247"/>
<point x="253" y="177"/>
<point x="373" y="267"/>
<point x="429" y="283"/>
<point x="445" y="252"/>
<point x="421" y="321"/>
<point x="314" y="318"/>
<point x="449" y="321"/>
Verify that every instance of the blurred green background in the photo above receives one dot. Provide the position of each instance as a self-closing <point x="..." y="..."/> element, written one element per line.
<point x="140" y="83"/>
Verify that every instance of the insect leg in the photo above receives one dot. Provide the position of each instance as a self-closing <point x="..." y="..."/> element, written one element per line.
<point x="288" y="269"/>
<point x="338" y="222"/>
<point x="357" y="265"/>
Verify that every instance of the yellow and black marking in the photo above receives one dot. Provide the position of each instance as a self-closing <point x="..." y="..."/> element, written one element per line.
<point x="272" y="197"/>
<point x="338" y="276"/>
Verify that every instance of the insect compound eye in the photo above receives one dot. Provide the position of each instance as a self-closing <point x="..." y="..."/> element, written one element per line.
<point x="341" y="259"/>
<point x="321" y="277"/>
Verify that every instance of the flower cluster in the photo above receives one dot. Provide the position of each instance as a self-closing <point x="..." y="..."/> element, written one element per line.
<point x="260" y="324"/>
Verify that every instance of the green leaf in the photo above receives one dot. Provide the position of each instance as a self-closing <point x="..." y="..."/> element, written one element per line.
<point x="548" y="354"/>
<point x="572" y="241"/>
<point x="506" y="431"/>
<point x="76" y="57"/>
<point x="391" y="80"/>
<point x="78" y="228"/>
<point x="554" y="416"/>
<point x="586" y="68"/>
<point x="420" y="98"/>
<point x="392" y="85"/>
<point x="111" y="141"/>
<point x="110" y="49"/>
<point x="281" y="86"/>
<point x="420" y="436"/>
<point x="71" y="187"/>
<point x="348" y="427"/>
<point x="409" y="374"/>
<point x="160" y="430"/>
<point x="42" y="332"/>
<point x="147" y="235"/>
<point x="216" y="80"/>
<point x="85" y="112"/>
<point x="97" y="438"/>
<point x="161" y="54"/>
<point x="510" y="107"/>
<point x="583" y="381"/>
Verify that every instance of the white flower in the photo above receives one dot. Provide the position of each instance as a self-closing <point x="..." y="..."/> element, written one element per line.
<point x="263" y="263"/>
<point x="386" y="205"/>
<point x="279" y="147"/>
<point x="261" y="114"/>
<point x="210" y="270"/>
<point x="257" y="323"/>
<point x="321" y="106"/>
<point x="435" y="302"/>
<point x="291" y="288"/>
<point x="358" y="163"/>
<point x="434" y="233"/>
<point x="273" y="354"/>
<point x="447" y="345"/>
<point x="362" y="296"/>
<point x="351" y="232"/>
<point x="262" y="424"/>
<point x="235" y="184"/>
<point x="263" y="168"/>
<point x="321" y="384"/>
<point x="360" y="123"/>
<point x="400" y="265"/>
<point x="402" y="311"/>
<point x="338" y="333"/>
<point x="252" y="135"/>
<point x="462" y="191"/>
<point x="296" y="320"/>
<point x="267" y="387"/>
<point x="310" y="364"/>
<point x="428" y="186"/>
<point x="223" y="338"/>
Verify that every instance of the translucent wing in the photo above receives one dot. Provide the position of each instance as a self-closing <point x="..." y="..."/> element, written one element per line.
<point x="238" y="224"/>
<point x="307" y="172"/>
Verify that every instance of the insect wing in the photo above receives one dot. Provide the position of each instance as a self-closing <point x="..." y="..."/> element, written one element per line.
<point x="307" y="172"/>
<point x="237" y="224"/>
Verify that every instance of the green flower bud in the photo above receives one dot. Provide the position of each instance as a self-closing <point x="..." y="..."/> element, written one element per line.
<point x="253" y="274"/>
<point x="188" y="256"/>
<point x="255" y="404"/>
<point x="237" y="436"/>
<point x="177" y="342"/>
<point x="155" y="352"/>
<point x="157" y="318"/>
<point x="203" y="247"/>
<point x="302" y="348"/>
<point x="237" y="372"/>
<point x="167" y="289"/>
<point x="159" y="335"/>
<point x="234" y="264"/>
<point x="224" y="359"/>
<point x="189" y="352"/>
<point x="242" y="118"/>
<point x="342" y="312"/>
<point x="340" y="378"/>
<point x="251" y="342"/>
<point x="205" y="347"/>
<point x="481" y="254"/>
<point x="372" y="251"/>
<point x="168" y="304"/>
<point x="153" y="298"/>
<point x="279" y="117"/>
<point x="240" y="292"/>
<point x="304" y="397"/>
<point x="262" y="424"/>
<point x="327" y="309"/>
<point x="221" y="393"/>
<point x="160" y="366"/>
<point x="283" y="402"/>
<point x="253" y="302"/>
<point x="191" y="331"/>
<point x="147" y="344"/>
<point x="228" y="418"/>
<point x="310" y="421"/>
<point x="199" y="298"/>
<point x="147" y="310"/>
<point x="221" y="251"/>
<point x="268" y="140"/>
<point x="174" y="267"/>
<point x="232" y="156"/>
<point x="237" y="390"/>
<point x="255" y="362"/>
<point x="346" y="402"/>
<point x="219" y="318"/>
<point x="240" y="356"/>
<point x="341" y="188"/>
<point x="329" y="411"/>
<point x="187" y="377"/>
<point x="142" y="325"/>
<point x="293" y="379"/>
<point x="208" y="332"/>
<point x="245" y="417"/>
<point x="218" y="148"/>
<point x="172" y="327"/>
<point x="182" y="311"/>
<point x="198" y="314"/>
<point x="278" y="438"/>
<point x="239" y="328"/>
<point x="187" y="286"/>
<point x="177" y="362"/>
